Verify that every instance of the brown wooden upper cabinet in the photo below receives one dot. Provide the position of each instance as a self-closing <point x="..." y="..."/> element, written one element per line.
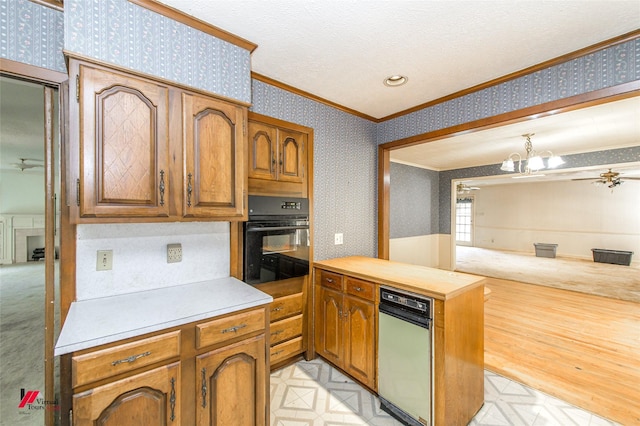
<point x="124" y="145"/>
<point x="278" y="157"/>
<point x="144" y="150"/>
<point x="214" y="148"/>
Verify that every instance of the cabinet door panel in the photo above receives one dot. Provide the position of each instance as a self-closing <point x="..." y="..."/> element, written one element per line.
<point x="329" y="324"/>
<point x="214" y="152"/>
<point x="150" y="398"/>
<point x="124" y="146"/>
<point x="231" y="385"/>
<point x="262" y="151"/>
<point x="291" y="161"/>
<point x="359" y="356"/>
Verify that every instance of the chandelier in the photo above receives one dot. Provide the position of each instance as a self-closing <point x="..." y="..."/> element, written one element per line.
<point x="533" y="161"/>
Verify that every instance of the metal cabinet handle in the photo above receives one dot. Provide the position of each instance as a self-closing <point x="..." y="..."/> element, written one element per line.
<point x="279" y="308"/>
<point x="358" y="288"/>
<point x="172" y="399"/>
<point x="277" y="352"/>
<point x="131" y="358"/>
<point x="275" y="333"/>
<point x="233" y="329"/>
<point x="204" y="388"/>
<point x="189" y="189"/>
<point x="162" y="187"/>
<point x="329" y="280"/>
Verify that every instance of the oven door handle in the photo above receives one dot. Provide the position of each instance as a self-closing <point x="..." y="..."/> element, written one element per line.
<point x="276" y="228"/>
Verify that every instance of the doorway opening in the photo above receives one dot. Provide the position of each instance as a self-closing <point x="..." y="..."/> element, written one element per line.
<point x="29" y="182"/>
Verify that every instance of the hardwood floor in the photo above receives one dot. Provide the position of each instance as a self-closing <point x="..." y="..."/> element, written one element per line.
<point x="581" y="348"/>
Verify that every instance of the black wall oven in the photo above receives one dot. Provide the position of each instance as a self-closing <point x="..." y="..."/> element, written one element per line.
<point x="276" y="239"/>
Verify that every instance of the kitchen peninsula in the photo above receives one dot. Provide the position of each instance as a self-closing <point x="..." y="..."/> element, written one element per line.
<point x="352" y="284"/>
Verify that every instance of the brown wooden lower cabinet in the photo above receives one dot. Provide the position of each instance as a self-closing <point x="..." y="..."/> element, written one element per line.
<point x="287" y="312"/>
<point x="231" y="384"/>
<point x="346" y="325"/>
<point x="212" y="372"/>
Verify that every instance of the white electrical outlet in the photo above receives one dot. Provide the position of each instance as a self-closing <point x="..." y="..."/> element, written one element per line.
<point x="174" y="253"/>
<point x="338" y="239"/>
<point x="105" y="260"/>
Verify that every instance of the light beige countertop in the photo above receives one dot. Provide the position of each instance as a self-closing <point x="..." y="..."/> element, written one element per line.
<point x="104" y="320"/>
<point x="432" y="282"/>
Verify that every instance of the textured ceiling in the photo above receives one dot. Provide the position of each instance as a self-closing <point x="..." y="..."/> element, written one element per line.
<point x="343" y="50"/>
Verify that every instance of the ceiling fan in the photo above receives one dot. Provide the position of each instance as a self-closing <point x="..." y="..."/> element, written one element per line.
<point x="462" y="188"/>
<point x="22" y="165"/>
<point x="610" y="179"/>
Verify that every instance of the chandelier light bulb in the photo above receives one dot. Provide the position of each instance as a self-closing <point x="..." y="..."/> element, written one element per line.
<point x="533" y="161"/>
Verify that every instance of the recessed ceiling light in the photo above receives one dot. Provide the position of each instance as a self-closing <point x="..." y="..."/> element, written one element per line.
<point x="395" y="80"/>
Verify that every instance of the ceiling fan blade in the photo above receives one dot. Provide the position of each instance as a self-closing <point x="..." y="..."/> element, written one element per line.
<point x="23" y="166"/>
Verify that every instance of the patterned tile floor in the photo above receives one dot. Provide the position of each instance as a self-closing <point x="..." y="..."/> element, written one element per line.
<point x="316" y="394"/>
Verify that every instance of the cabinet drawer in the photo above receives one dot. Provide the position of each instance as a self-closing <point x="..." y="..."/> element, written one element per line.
<point x="360" y="288"/>
<point x="286" y="349"/>
<point x="228" y="328"/>
<point x="286" y="329"/>
<point x="97" y="365"/>
<point x="331" y="280"/>
<point x="286" y="306"/>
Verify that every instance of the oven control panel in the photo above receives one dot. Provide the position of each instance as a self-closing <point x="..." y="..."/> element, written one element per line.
<point x="291" y="205"/>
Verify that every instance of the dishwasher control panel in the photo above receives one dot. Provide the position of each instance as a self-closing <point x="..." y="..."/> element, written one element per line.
<point x="405" y="300"/>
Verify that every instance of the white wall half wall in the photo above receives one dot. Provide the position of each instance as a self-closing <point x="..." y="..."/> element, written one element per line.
<point x="575" y="215"/>
<point x="426" y="250"/>
<point x="140" y="256"/>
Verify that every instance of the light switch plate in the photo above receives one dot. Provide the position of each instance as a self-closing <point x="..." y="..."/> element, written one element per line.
<point x="104" y="261"/>
<point x="339" y="239"/>
<point x="174" y="253"/>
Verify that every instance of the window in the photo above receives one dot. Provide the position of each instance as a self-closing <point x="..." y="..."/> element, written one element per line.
<point x="464" y="221"/>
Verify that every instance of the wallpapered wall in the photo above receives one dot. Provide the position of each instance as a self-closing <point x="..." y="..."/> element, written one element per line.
<point x="345" y="170"/>
<point x="605" y="68"/>
<point x="414" y="201"/>
<point x="32" y="34"/>
<point x="131" y="36"/>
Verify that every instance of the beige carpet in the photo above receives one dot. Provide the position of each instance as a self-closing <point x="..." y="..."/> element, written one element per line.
<point x="585" y="276"/>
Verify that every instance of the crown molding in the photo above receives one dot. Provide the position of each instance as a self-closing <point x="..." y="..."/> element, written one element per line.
<point x="294" y="90"/>
<point x="53" y="4"/>
<point x="196" y="23"/>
